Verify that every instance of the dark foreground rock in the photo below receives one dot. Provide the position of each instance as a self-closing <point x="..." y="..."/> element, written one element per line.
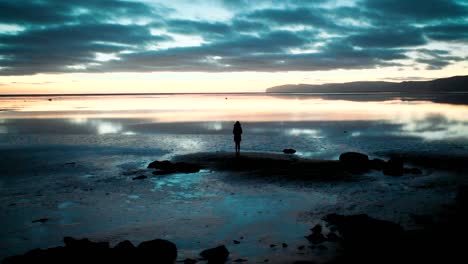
<point x="358" y="163"/>
<point x="85" y="251"/>
<point x="167" y="167"/>
<point x="368" y="240"/>
<point x="355" y="161"/>
<point x="215" y="255"/>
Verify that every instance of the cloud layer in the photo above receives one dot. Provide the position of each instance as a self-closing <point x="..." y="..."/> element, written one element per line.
<point x="54" y="36"/>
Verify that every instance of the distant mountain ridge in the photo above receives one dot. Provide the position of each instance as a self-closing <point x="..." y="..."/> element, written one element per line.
<point x="451" y="84"/>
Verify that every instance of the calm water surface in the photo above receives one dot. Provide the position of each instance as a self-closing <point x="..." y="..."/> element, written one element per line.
<point x="71" y="159"/>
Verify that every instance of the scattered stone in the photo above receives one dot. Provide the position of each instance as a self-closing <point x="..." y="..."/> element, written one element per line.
<point x="41" y="220"/>
<point x="284" y="245"/>
<point x="377" y="164"/>
<point x="316" y="237"/>
<point x="141" y="177"/>
<point x="300" y="247"/>
<point x="289" y="151"/>
<point x="159" y="250"/>
<point x="316" y="229"/>
<point x="332" y="237"/>
<point x="272" y="245"/>
<point x="354" y="161"/>
<point x="190" y="261"/>
<point x="415" y="171"/>
<point x="125" y="245"/>
<point x="240" y="260"/>
<point x="322" y="247"/>
<point x="166" y="167"/>
<point x="394" y="167"/>
<point x="236" y="241"/>
<point x="215" y="255"/>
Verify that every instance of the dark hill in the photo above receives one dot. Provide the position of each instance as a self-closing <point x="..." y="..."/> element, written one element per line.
<point x="451" y="84"/>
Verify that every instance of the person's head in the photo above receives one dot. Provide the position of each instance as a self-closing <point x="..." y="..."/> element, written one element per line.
<point x="237" y="123"/>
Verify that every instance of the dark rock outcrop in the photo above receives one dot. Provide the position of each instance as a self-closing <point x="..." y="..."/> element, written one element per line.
<point x="394" y="167"/>
<point x="377" y="164"/>
<point x="215" y="255"/>
<point x="316" y="237"/>
<point x="167" y="167"/>
<point x="355" y="162"/>
<point x="141" y="177"/>
<point x="158" y="249"/>
<point x="78" y="251"/>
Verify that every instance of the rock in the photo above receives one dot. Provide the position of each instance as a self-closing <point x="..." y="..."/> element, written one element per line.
<point x="322" y="247"/>
<point x="332" y="237"/>
<point x="141" y="177"/>
<point x="362" y="234"/>
<point x="125" y="245"/>
<point x="284" y="245"/>
<point x="190" y="261"/>
<point x="166" y="167"/>
<point x="157" y="251"/>
<point x="316" y="237"/>
<point x="84" y="244"/>
<point x="236" y="241"/>
<point x="377" y="164"/>
<point x="240" y="260"/>
<point x="272" y="245"/>
<point x="215" y="255"/>
<point x="289" y="151"/>
<point x="316" y="229"/>
<point x="300" y="247"/>
<point x="415" y="171"/>
<point x="186" y="167"/>
<point x="355" y="162"/>
<point x="394" y="167"/>
<point x="161" y="165"/>
<point x="41" y="220"/>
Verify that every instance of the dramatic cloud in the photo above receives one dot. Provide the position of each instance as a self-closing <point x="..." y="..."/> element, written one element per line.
<point x="54" y="36"/>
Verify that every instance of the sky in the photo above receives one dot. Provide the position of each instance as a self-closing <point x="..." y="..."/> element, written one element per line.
<point x="114" y="46"/>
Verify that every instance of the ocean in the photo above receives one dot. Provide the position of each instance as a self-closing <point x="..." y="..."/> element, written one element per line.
<point x="71" y="160"/>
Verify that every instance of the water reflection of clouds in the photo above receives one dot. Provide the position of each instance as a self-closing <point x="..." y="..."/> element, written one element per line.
<point x="101" y="126"/>
<point x="435" y="127"/>
<point x="303" y="131"/>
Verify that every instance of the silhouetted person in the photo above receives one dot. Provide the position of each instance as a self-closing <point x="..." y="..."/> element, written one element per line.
<point x="237" y="131"/>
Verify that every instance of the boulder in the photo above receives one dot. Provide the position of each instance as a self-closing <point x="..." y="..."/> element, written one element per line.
<point x="289" y="151"/>
<point x="125" y="245"/>
<point x="394" y="166"/>
<point x="141" y="177"/>
<point x="157" y="251"/>
<point x="160" y="165"/>
<point x="316" y="237"/>
<point x="355" y="162"/>
<point x="377" y="164"/>
<point x="84" y="244"/>
<point x="361" y="232"/>
<point x="215" y="255"/>
<point x="166" y="167"/>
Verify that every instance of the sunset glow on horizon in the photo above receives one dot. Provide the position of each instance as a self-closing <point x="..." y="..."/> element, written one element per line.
<point x="154" y="46"/>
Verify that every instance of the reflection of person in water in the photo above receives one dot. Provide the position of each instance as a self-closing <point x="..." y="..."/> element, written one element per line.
<point x="237" y="131"/>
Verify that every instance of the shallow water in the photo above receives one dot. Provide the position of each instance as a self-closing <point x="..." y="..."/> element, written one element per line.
<point x="72" y="160"/>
